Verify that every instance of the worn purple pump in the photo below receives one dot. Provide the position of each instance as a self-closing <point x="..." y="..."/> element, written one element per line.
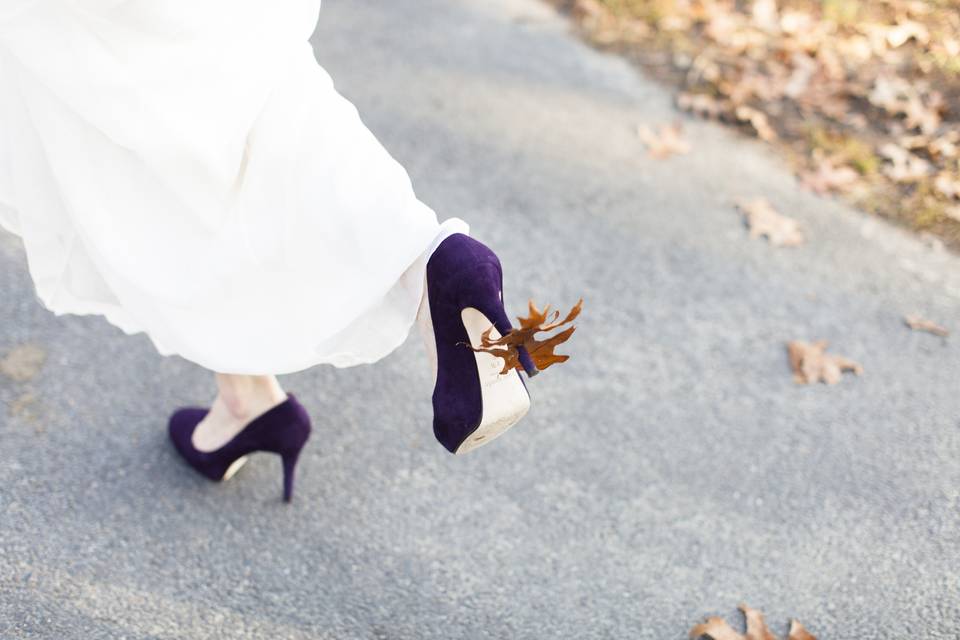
<point x="283" y="429"/>
<point x="473" y="402"/>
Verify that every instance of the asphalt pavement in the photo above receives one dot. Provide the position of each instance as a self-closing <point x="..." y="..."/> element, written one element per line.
<point x="671" y="470"/>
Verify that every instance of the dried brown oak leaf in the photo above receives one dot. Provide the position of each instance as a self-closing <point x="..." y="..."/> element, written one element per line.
<point x="764" y="220"/>
<point x="666" y="141"/>
<point x="919" y="323"/>
<point x="541" y="351"/>
<point x="758" y="120"/>
<point x="829" y="176"/>
<point x="799" y="632"/>
<point x="904" y="166"/>
<point x="947" y="185"/>
<point x="811" y="363"/>
<point x="717" y="628"/>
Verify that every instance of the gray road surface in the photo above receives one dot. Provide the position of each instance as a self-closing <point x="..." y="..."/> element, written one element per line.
<point x="671" y="470"/>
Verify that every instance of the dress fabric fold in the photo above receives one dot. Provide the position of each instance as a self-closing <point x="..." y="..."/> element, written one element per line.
<point x="187" y="170"/>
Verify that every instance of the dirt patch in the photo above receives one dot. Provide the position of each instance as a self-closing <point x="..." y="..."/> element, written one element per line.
<point x="23" y="363"/>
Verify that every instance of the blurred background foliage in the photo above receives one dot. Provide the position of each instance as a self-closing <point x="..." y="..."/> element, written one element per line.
<point x="864" y="96"/>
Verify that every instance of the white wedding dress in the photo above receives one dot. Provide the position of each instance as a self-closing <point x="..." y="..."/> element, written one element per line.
<point x="186" y="169"/>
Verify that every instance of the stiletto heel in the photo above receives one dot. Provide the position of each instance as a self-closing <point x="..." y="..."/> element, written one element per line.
<point x="289" y="465"/>
<point x="527" y="362"/>
<point x="284" y="430"/>
<point x="492" y="308"/>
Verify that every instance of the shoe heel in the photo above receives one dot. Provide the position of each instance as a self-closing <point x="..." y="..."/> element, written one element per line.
<point x="527" y="362"/>
<point x="289" y="466"/>
<point x="490" y="304"/>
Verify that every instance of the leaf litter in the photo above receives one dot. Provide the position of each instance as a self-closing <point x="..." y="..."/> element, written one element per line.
<point x="864" y="96"/>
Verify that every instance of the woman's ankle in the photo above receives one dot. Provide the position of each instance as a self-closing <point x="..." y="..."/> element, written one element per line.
<point x="246" y="397"/>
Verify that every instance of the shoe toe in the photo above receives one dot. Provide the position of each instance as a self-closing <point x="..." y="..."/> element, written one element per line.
<point x="181" y="426"/>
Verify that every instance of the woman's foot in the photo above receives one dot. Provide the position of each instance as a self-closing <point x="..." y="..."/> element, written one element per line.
<point x="282" y="428"/>
<point x="240" y="399"/>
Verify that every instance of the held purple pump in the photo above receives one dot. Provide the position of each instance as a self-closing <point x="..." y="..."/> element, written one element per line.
<point x="473" y="402"/>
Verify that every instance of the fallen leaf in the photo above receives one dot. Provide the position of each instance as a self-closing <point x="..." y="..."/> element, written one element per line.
<point x="904" y="31"/>
<point x="758" y="120"/>
<point x="951" y="46"/>
<point x="944" y="147"/>
<point x="947" y="185"/>
<point x="23" y="363"/>
<point x="764" y="220"/>
<point x="890" y="93"/>
<point x="667" y="141"/>
<point x="798" y="632"/>
<point x="811" y="363"/>
<point x="541" y="351"/>
<point x="765" y="15"/>
<point x="589" y="9"/>
<point x="855" y="47"/>
<point x="919" y="323"/>
<point x="756" y="626"/>
<point x="898" y="97"/>
<point x="912" y="142"/>
<point x="716" y="628"/>
<point x="795" y="22"/>
<point x="923" y="116"/>
<point x="829" y="177"/>
<point x="804" y="69"/>
<point x="905" y="166"/>
<point x="674" y="23"/>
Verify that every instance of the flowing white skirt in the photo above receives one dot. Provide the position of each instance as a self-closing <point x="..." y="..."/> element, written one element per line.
<point x="186" y="169"/>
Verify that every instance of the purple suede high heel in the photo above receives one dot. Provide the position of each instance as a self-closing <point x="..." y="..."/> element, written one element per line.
<point x="473" y="402"/>
<point x="283" y="429"/>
